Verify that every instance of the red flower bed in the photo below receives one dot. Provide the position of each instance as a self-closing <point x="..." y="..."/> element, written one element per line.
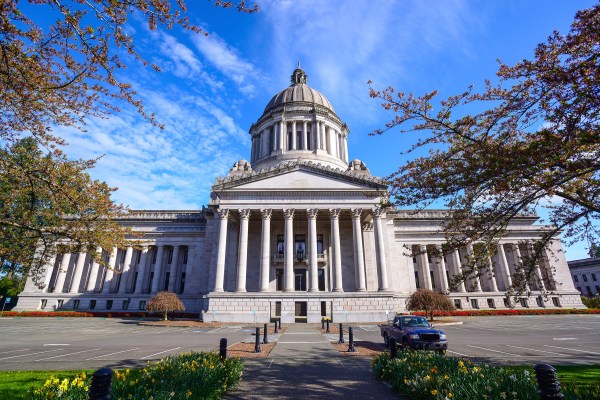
<point x="105" y="314"/>
<point x="474" y="313"/>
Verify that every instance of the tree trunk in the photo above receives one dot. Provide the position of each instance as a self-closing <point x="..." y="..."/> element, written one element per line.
<point x="166" y="313"/>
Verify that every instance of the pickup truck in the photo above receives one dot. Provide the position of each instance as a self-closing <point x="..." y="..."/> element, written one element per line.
<point x="413" y="332"/>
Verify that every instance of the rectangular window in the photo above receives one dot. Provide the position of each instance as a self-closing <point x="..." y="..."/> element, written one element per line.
<point x="280" y="244"/>
<point x="59" y="304"/>
<point x="474" y="303"/>
<point x="166" y="285"/>
<point x="594" y="277"/>
<point x="524" y="302"/>
<point x="458" y="304"/>
<point x="575" y="278"/>
<point x="170" y="255"/>
<point x="320" y="245"/>
<point x="154" y="254"/>
<point x="323" y="309"/>
<point x="150" y="282"/>
<point x="109" y="304"/>
<point x="279" y="279"/>
<point x="417" y="280"/>
<point x="300" y="280"/>
<point x="184" y="255"/>
<point x="300" y="247"/>
<point x="584" y="276"/>
<point x="182" y="283"/>
<point x="432" y="279"/>
<point x="92" y="304"/>
<point x="142" y="305"/>
<point x="75" y="304"/>
<point x="299" y="141"/>
<point x="597" y="289"/>
<point x="540" y="301"/>
<point x="556" y="302"/>
<point x="414" y="260"/>
<point x="43" y="303"/>
<point x="321" y="280"/>
<point x="278" y="309"/>
<point x="589" y="291"/>
<point x="491" y="303"/>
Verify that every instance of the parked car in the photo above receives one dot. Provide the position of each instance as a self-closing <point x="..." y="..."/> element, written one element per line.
<point x="414" y="332"/>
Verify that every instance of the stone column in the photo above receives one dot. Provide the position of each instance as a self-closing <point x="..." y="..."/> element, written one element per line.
<point x="359" y="259"/>
<point x="424" y="267"/>
<point x="157" y="269"/>
<point x="519" y="263"/>
<point x="475" y="279"/>
<point x="173" y="270"/>
<point x="48" y="268"/>
<point x="294" y="134"/>
<point x="112" y="261"/>
<point x="317" y="130"/>
<point x="243" y="250"/>
<point x="493" y="284"/>
<point x="503" y="266"/>
<point x="346" y="148"/>
<point x="378" y="214"/>
<point x="125" y="272"/>
<point x="220" y="273"/>
<point x="442" y="270"/>
<point x="458" y="270"/>
<point x="337" y="254"/>
<point x="93" y="276"/>
<point x="288" y="266"/>
<point x="139" y="282"/>
<point x="62" y="273"/>
<point x="305" y="135"/>
<point x="537" y="270"/>
<point x="312" y="261"/>
<point x="76" y="280"/>
<point x="265" y="251"/>
<point x="274" y="143"/>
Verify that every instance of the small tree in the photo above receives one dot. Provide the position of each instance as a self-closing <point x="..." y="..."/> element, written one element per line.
<point x="165" y="302"/>
<point x="429" y="301"/>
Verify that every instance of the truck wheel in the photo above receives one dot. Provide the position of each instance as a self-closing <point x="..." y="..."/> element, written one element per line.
<point x="386" y="340"/>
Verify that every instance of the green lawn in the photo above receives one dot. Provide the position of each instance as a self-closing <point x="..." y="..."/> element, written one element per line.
<point x="578" y="374"/>
<point x="14" y="384"/>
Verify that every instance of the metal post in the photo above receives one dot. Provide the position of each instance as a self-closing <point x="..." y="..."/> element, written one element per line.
<point x="351" y="348"/>
<point x="393" y="348"/>
<point x="276" y="331"/>
<point x="265" y="338"/>
<point x="548" y="385"/>
<point x="257" y="342"/>
<point x="223" y="349"/>
<point x="279" y="323"/>
<point x="101" y="384"/>
<point x="341" y="334"/>
<point x="322" y="323"/>
<point x="327" y="331"/>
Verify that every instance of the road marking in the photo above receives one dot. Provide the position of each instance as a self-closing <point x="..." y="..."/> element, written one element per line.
<point x="13" y="351"/>
<point x="538" y="351"/>
<point x="155" y="354"/>
<point x="318" y="341"/>
<point x="112" y="354"/>
<point x="69" y="354"/>
<point x="495" y="351"/>
<point x="564" y="338"/>
<point x="565" y="348"/>
<point x="31" y="354"/>
<point x="303" y="333"/>
<point x="455" y="352"/>
<point x="57" y="344"/>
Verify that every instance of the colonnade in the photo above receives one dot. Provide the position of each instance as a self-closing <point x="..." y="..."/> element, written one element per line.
<point x="495" y="276"/>
<point x="288" y="267"/>
<point x="142" y="276"/>
<point x="299" y="135"/>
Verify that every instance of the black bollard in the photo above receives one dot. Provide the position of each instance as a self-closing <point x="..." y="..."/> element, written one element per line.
<point x="276" y="331"/>
<point x="341" y="334"/>
<point x="322" y="323"/>
<point x="101" y="384"/>
<point x="327" y="331"/>
<point x="548" y="385"/>
<point x="351" y="348"/>
<point x="257" y="342"/>
<point x="223" y="349"/>
<point x="393" y="348"/>
<point x="279" y="323"/>
<point x="265" y="338"/>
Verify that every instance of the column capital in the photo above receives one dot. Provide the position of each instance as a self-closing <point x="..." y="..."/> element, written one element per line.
<point x="312" y="213"/>
<point x="223" y="213"/>
<point x="266" y="213"/>
<point x="244" y="213"/>
<point x="288" y="213"/>
<point x="356" y="213"/>
<point x="368" y="226"/>
<point x="335" y="212"/>
<point x="378" y="212"/>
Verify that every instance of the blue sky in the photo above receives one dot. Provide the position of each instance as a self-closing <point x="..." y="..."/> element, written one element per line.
<point x="211" y="89"/>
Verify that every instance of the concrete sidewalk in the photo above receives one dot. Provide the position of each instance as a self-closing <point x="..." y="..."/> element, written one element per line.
<point x="304" y="365"/>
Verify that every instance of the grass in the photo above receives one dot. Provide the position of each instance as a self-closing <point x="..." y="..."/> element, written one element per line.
<point x="15" y="384"/>
<point x="572" y="374"/>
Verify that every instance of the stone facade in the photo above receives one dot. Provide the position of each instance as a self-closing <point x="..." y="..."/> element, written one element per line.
<point x="586" y="275"/>
<point x="297" y="233"/>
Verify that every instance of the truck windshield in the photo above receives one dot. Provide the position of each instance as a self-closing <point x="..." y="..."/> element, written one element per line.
<point x="415" y="321"/>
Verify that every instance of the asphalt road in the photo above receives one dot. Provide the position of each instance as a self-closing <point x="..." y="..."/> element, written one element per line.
<point x="90" y="343"/>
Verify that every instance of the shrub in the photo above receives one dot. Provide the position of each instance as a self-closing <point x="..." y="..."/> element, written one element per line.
<point x="429" y="301"/>
<point x="186" y="376"/>
<point x="165" y="302"/>
<point x="591" y="302"/>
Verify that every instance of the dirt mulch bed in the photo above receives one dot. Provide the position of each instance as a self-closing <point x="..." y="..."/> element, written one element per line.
<point x="246" y="350"/>
<point x="363" y="348"/>
<point x="182" y="323"/>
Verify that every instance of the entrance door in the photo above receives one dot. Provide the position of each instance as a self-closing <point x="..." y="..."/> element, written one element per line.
<point x="300" y="280"/>
<point x="301" y="311"/>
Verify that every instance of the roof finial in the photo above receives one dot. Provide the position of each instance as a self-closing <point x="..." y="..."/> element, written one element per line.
<point x="299" y="76"/>
<point x="299" y="64"/>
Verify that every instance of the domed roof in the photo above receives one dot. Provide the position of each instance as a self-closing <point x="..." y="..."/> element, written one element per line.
<point x="299" y="91"/>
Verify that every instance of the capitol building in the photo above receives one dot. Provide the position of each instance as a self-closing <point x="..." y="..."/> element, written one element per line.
<point x="298" y="232"/>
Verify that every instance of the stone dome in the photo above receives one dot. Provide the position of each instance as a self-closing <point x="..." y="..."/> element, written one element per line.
<point x="299" y="91"/>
